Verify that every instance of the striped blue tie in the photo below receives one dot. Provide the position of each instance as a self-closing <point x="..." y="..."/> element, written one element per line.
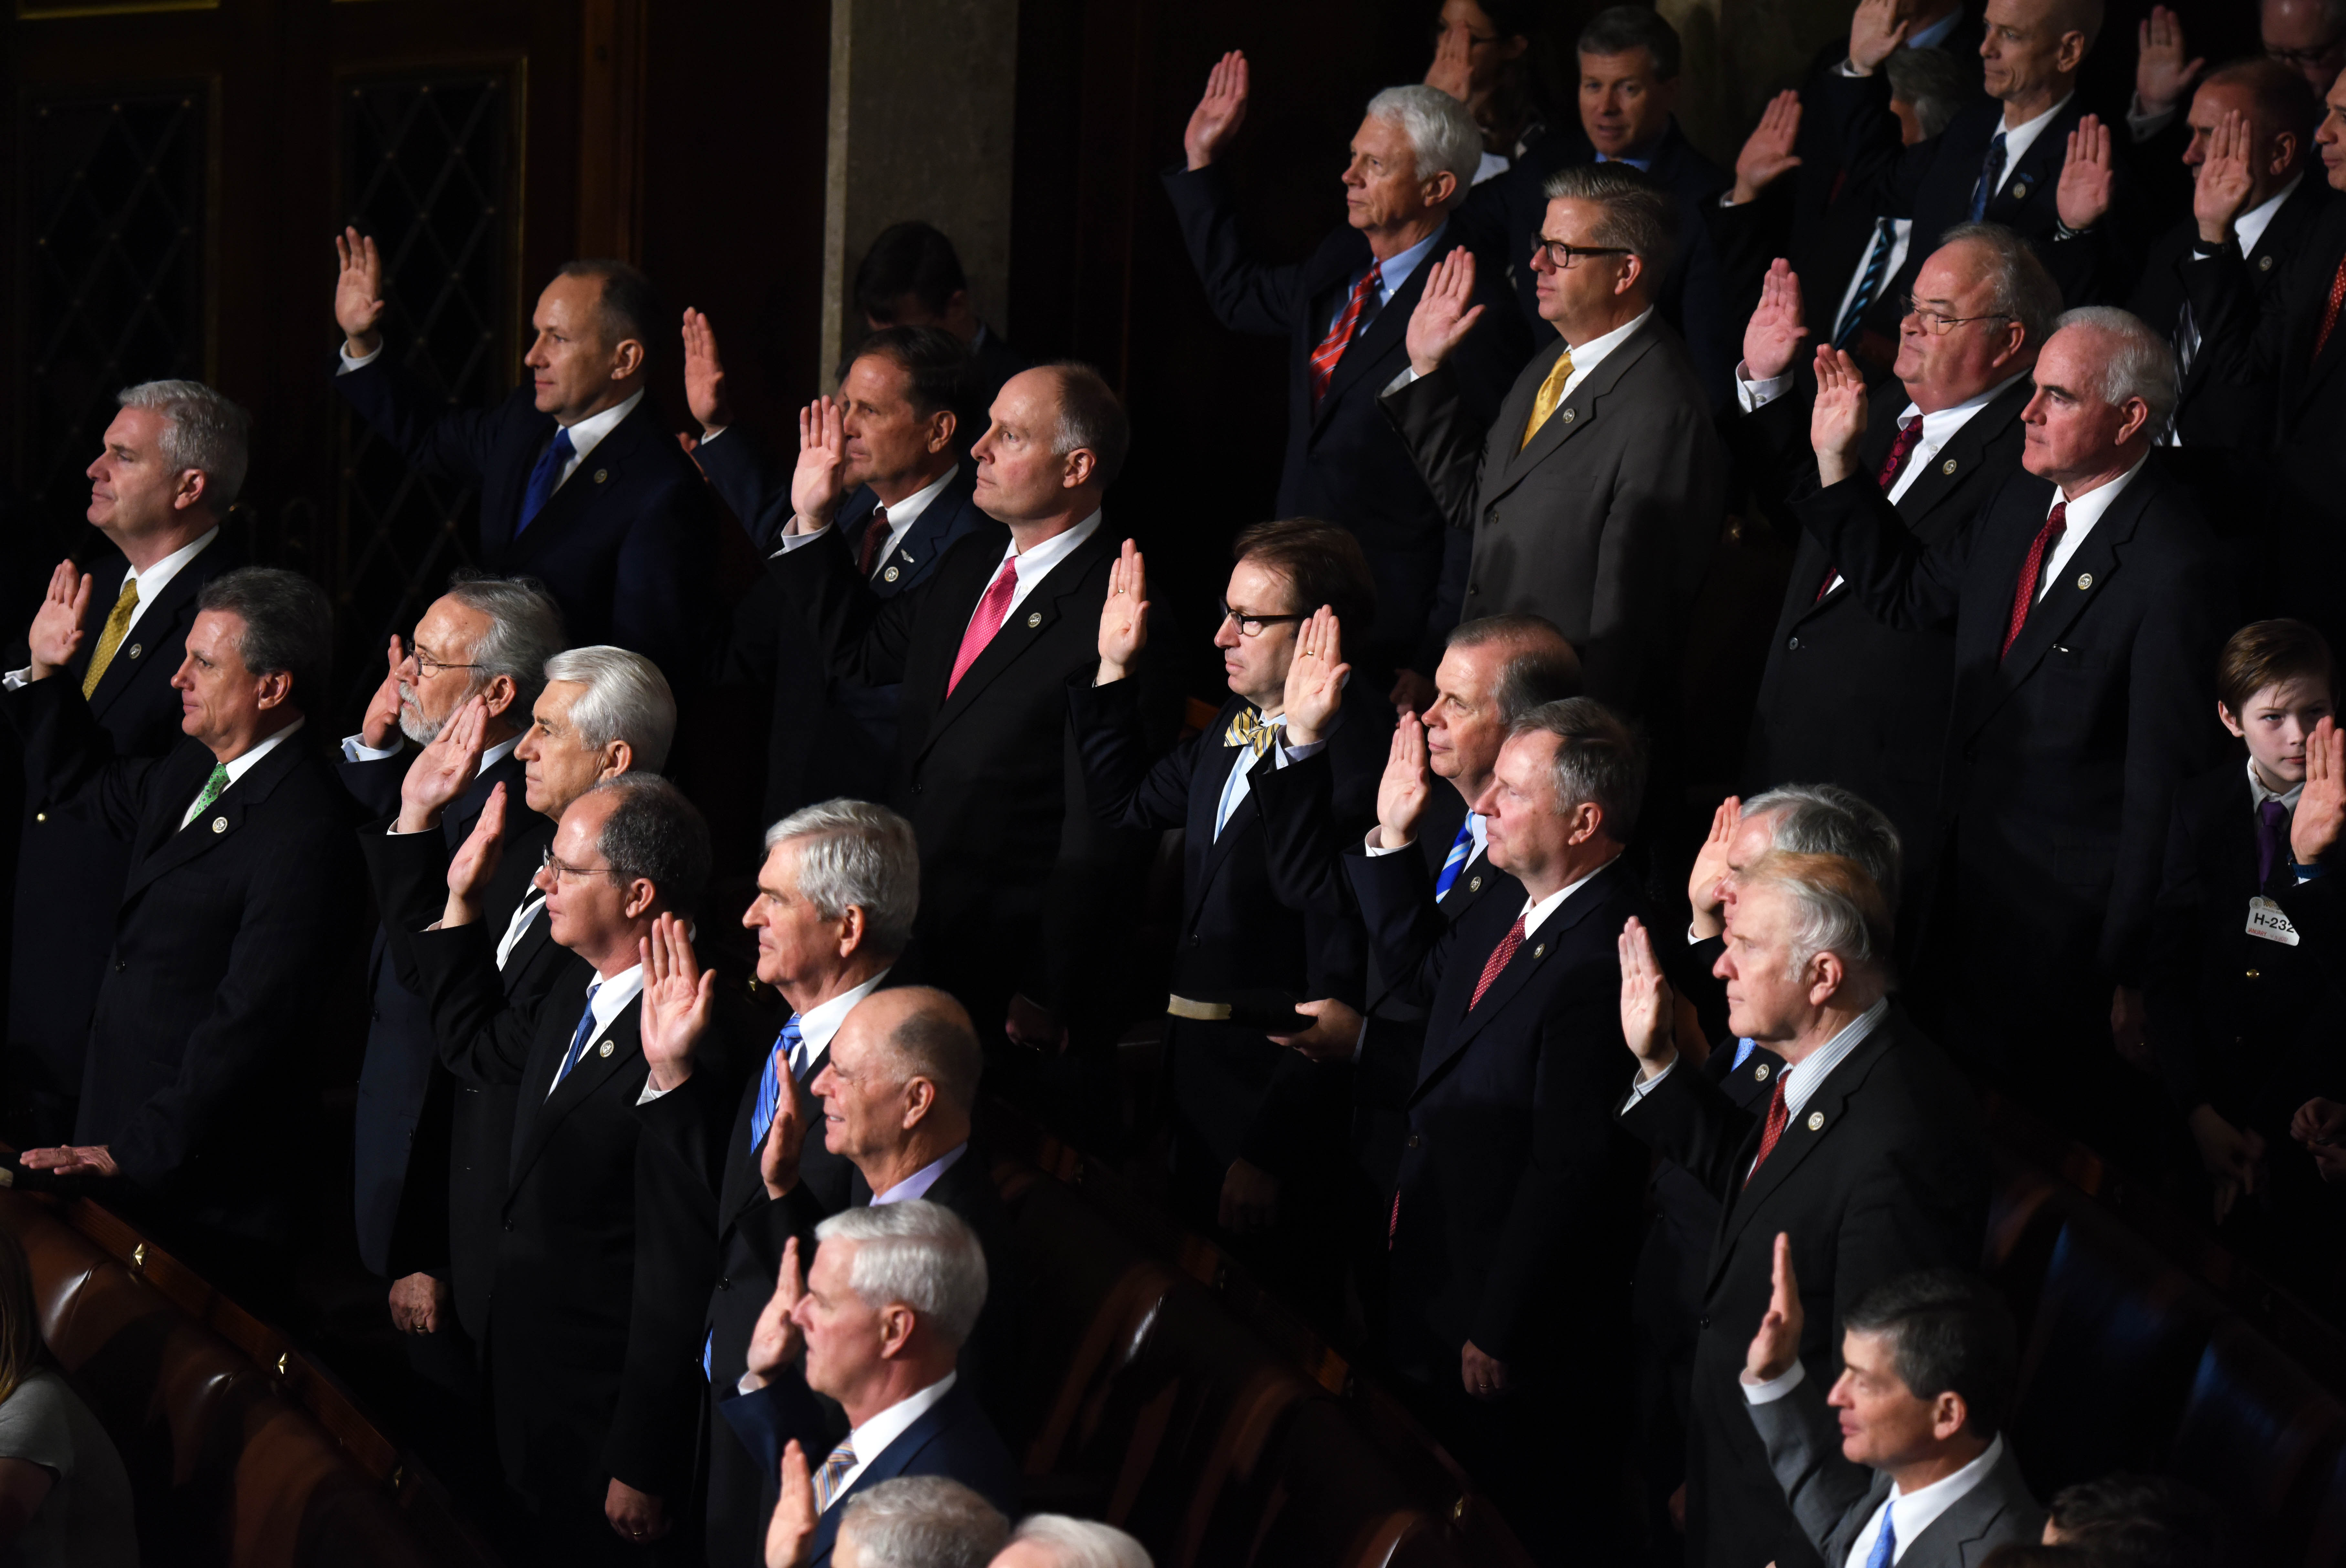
<point x="769" y="1082"/>
<point x="1885" y="239"/>
<point x="578" y="1038"/>
<point x="1462" y="850"/>
<point x="1991" y="177"/>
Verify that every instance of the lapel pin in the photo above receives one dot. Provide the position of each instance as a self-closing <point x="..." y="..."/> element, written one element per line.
<point x="1567" y="417"/>
<point x="605" y="1050"/>
<point x="601" y="474"/>
<point x="1948" y="467"/>
<point x="1816" y="1121"/>
<point x="2020" y="191"/>
<point x="2264" y="263"/>
<point x="136" y="649"/>
<point x="1540" y="952"/>
<point x="1475" y="886"/>
<point x="219" y="824"/>
<point x="1759" y="1074"/>
<point x="889" y="575"/>
<point x="1034" y="620"/>
<point x="2085" y="579"/>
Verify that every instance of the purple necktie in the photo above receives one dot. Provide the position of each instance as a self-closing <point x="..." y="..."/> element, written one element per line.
<point x="2272" y="841"/>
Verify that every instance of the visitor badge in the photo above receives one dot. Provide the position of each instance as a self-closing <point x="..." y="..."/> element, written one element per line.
<point x="2265" y="919"/>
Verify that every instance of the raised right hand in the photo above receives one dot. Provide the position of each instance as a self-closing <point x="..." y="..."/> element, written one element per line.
<point x="676" y="998"/>
<point x="57" y="634"/>
<point x="1123" y="616"/>
<point x="2222" y="186"/>
<point x="476" y="862"/>
<point x="1216" y="119"/>
<point x="2320" y="815"/>
<point x="1876" y="31"/>
<point x="2162" y="78"/>
<point x="444" y="769"/>
<point x="1837" y="424"/>
<point x="1767" y="153"/>
<point x="1454" y="68"/>
<point x="1706" y="885"/>
<point x="358" y="291"/>
<point x="790" y="1534"/>
<point x="1771" y="339"/>
<point x="776" y="1341"/>
<point x="818" y="484"/>
<point x="704" y="373"/>
<point x="1777" y="1345"/>
<point x="1445" y="311"/>
<point x="381" y="720"/>
<point x="1406" y="786"/>
<point x="1648" y="1007"/>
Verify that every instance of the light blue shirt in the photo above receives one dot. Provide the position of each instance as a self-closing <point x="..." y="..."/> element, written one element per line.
<point x="1932" y="36"/>
<point x="1392" y="274"/>
<point x="1642" y="165"/>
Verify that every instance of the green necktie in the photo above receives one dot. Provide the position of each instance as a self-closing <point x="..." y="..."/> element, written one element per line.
<point x="214" y="788"/>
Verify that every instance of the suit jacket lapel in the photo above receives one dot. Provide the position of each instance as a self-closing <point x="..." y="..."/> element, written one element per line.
<point x="594" y="1070"/>
<point x="1029" y="620"/>
<point x="1208" y="781"/>
<point x="922" y="541"/>
<point x="1953" y="464"/>
<point x="169" y="612"/>
<point x="596" y="474"/>
<point x="1520" y="970"/>
<point x="2038" y="167"/>
<point x="217" y="823"/>
<point x="1578" y="412"/>
<point x="1370" y="343"/>
<point x="2085" y="573"/>
<point x="1816" y="1122"/>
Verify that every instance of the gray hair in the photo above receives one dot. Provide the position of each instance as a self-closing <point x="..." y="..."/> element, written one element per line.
<point x="1638" y="215"/>
<point x="1082" y="1542"/>
<point x="851" y="852"/>
<point x="1541" y="666"/>
<point x="1091" y="420"/>
<point x="524" y="630"/>
<point x="1599" y="759"/>
<point x="289" y="626"/>
<point x="1933" y="81"/>
<point x="202" y="431"/>
<point x="2019" y="288"/>
<point x="919" y="1254"/>
<point x="2140" y="364"/>
<point x="654" y="832"/>
<point x="1442" y="135"/>
<point x="923" y="1522"/>
<point x="1828" y="819"/>
<point x="626" y="699"/>
<point x="1837" y="908"/>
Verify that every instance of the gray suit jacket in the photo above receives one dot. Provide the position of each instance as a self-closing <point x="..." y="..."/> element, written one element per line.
<point x="1833" y="1498"/>
<point x="1605" y="523"/>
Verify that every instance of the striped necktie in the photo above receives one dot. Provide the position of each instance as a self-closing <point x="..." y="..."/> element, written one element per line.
<point x="834" y="1470"/>
<point x="1885" y="240"/>
<point x="1340" y="336"/>
<point x="1991" y="178"/>
<point x="1462" y="850"/>
<point x="778" y="1060"/>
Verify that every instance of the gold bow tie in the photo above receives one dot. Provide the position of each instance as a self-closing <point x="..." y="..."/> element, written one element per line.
<point x="1248" y="729"/>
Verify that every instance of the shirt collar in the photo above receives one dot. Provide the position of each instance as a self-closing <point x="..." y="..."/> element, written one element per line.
<point x="2250" y="226"/>
<point x="870" y="1439"/>
<point x="1395" y="270"/>
<point x="588" y="433"/>
<point x="1585" y="357"/>
<point x="818" y="1023"/>
<point x="613" y="993"/>
<point x="1643" y="162"/>
<point x="2258" y="794"/>
<point x="1536" y="911"/>
<point x="907" y="512"/>
<point x="496" y="754"/>
<point x="2019" y="138"/>
<point x="1940" y="425"/>
<point x="243" y="765"/>
<point x="2087" y="510"/>
<point x="157" y="577"/>
<point x="1919" y="1509"/>
<point x="918" y="1184"/>
<point x="1035" y="562"/>
<point x="1801" y="1080"/>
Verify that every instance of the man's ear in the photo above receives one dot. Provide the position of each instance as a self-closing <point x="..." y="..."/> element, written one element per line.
<point x="618" y="758"/>
<point x="920" y="1099"/>
<point x="1633" y="269"/>
<point x="500" y="694"/>
<point x="626" y="358"/>
<point x="641" y="895"/>
<point x="942" y="425"/>
<point x="191" y="491"/>
<point x="273" y="689"/>
<point x="1080" y="467"/>
<point x="896" y="1323"/>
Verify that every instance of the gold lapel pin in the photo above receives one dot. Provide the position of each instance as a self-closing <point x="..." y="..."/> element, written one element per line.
<point x="2085" y="579"/>
<point x="889" y="575"/>
<point x="601" y="474"/>
<point x="1759" y="1074"/>
<point x="2020" y="192"/>
<point x="1540" y="952"/>
<point x="606" y="1051"/>
<point x="1948" y="467"/>
<point x="219" y="824"/>
<point x="1816" y="1121"/>
<point x="1567" y="417"/>
<point x="136" y="649"/>
<point x="1034" y="620"/>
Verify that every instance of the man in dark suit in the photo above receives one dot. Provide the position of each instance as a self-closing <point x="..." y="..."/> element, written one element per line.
<point x="602" y="712"/>
<point x="903" y="496"/>
<point x="1344" y="312"/>
<point x="490" y="638"/>
<point x="1257" y="1136"/>
<point x="231" y="927"/>
<point x="885" y="1353"/>
<point x="2085" y="601"/>
<point x="1940" y="439"/>
<point x="1870" y="1157"/>
<point x="580" y="487"/>
<point x="2276" y="350"/>
<point x="1513" y="1161"/>
<point x="911" y="277"/>
<point x="1019" y="883"/>
<point x="607" y="1248"/>
<point x="1915" y="1465"/>
<point x="1596" y="493"/>
<point x="2030" y="159"/>
<point x="174" y="460"/>
<point x="1629" y="60"/>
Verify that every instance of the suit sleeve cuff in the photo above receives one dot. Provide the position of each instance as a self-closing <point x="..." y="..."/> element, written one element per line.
<point x="799" y="540"/>
<point x="1644" y="1086"/>
<point x="356" y="749"/>
<point x="1751" y="395"/>
<point x="1774" y="1388"/>
<point x="356" y="361"/>
<point x="17" y="679"/>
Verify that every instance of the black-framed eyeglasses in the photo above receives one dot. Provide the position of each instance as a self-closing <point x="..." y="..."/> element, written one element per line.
<point x="561" y="873"/>
<point x="1939" y="325"/>
<point x="2298" y="59"/>
<point x="1251" y="625"/>
<point x="1561" y="256"/>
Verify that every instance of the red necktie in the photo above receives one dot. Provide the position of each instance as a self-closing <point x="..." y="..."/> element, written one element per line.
<point x="1497" y="961"/>
<point x="875" y="533"/>
<point x="1778" y="1113"/>
<point x="1899" y="451"/>
<point x="2023" y="596"/>
<point x="1340" y="336"/>
<point x="2329" y="311"/>
<point x="992" y="611"/>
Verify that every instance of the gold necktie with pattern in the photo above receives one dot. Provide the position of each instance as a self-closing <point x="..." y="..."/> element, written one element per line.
<point x="1550" y="393"/>
<point x="109" y="638"/>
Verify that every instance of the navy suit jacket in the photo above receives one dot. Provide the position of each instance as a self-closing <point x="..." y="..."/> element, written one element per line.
<point x="1344" y="462"/>
<point x="952" y="1439"/>
<point x="627" y="546"/>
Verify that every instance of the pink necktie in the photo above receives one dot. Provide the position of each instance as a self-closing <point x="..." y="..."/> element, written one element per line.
<point x="991" y="610"/>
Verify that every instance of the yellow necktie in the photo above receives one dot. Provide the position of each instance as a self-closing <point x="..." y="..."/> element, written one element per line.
<point x="1248" y="729"/>
<point x="117" y="626"/>
<point x="1550" y="393"/>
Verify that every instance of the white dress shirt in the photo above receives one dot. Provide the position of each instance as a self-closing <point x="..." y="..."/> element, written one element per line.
<point x="1939" y="426"/>
<point x="870" y="1439"/>
<point x="1901" y="236"/>
<point x="1034" y="564"/>
<point x="918" y="1184"/>
<point x="1585" y="358"/>
<point x="2019" y="138"/>
<point x="907" y="512"/>
<point x="151" y="583"/>
<point x="243" y="765"/>
<point x="817" y="1024"/>
<point x="2083" y="514"/>
<point x="585" y="436"/>
<point x="610" y="999"/>
<point x="2260" y="794"/>
<point x="356" y="749"/>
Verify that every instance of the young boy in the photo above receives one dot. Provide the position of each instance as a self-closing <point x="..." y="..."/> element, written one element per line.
<point x="2229" y="991"/>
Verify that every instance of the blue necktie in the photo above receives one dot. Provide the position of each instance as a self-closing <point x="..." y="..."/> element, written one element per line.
<point x="578" y="1038"/>
<point x="769" y="1082"/>
<point x="1462" y="850"/>
<point x="1885" y="239"/>
<point x="545" y="477"/>
<point x="1991" y="177"/>
<point x="1885" y="1545"/>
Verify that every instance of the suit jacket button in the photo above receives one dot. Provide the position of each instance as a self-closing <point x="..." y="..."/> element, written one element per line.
<point x="1792" y="646"/>
<point x="724" y="1283"/>
<point x="122" y="963"/>
<point x="1414" y="1140"/>
<point x="1195" y="939"/>
<point x="509" y="1227"/>
<point x="40" y="816"/>
<point x="2256" y="974"/>
<point x="1704" y="1322"/>
<point x="1491" y="514"/>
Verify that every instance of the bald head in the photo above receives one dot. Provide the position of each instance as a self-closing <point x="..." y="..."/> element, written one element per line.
<point x="900" y="1082"/>
<point x="2309" y="37"/>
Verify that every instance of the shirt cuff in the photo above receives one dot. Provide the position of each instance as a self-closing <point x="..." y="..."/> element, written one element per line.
<point x="1752" y="396"/>
<point x="1288" y="754"/>
<point x="17" y="679"/>
<point x="650" y="1094"/>
<point x="354" y="361"/>
<point x="1375" y="851"/>
<point x="2143" y="126"/>
<point x="1644" y="1086"/>
<point x="800" y="541"/>
<point x="1408" y="374"/>
<point x="1774" y="1388"/>
<point x="708" y="435"/>
<point x="356" y="749"/>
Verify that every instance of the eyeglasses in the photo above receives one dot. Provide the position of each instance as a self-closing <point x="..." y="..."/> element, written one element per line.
<point x="1938" y="326"/>
<point x="546" y="862"/>
<point x="427" y="667"/>
<point x="1251" y="625"/>
<point x="1561" y="256"/>
<point x="1474" y="40"/>
<point x="2298" y="59"/>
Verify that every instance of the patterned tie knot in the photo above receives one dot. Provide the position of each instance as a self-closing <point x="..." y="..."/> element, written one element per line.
<point x="215" y="786"/>
<point x="1496" y="964"/>
<point x="1909" y="436"/>
<point x="834" y="1470"/>
<point x="1780" y="1112"/>
<point x="1248" y="730"/>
